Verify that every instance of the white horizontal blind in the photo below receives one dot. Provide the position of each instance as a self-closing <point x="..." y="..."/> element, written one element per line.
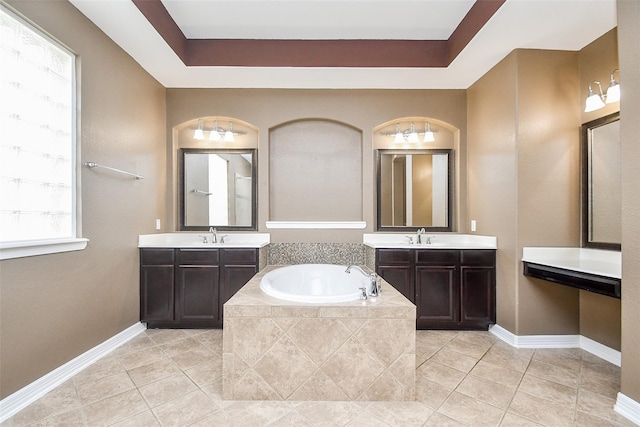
<point x="37" y="142"/>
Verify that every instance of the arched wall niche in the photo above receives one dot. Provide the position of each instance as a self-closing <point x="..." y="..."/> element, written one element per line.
<point x="315" y="171"/>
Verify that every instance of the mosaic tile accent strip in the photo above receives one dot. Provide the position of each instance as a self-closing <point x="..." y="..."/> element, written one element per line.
<point x="316" y="253"/>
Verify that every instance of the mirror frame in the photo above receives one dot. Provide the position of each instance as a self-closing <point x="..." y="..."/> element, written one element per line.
<point x="585" y="189"/>
<point x="450" y="189"/>
<point x="254" y="189"/>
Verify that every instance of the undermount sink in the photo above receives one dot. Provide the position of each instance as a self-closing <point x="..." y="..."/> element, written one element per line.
<point x="432" y="245"/>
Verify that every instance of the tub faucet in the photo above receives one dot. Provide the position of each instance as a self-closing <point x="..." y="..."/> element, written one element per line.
<point x="214" y="235"/>
<point x="374" y="286"/>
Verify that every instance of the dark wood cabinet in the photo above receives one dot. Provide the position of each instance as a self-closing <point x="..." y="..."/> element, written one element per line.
<point x="186" y="288"/>
<point x="451" y="288"/>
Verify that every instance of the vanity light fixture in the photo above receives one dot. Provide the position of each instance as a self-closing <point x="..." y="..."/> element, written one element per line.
<point x="428" y="135"/>
<point x="411" y="135"/>
<point x="228" y="135"/>
<point x="613" y="92"/>
<point x="198" y="134"/>
<point x="595" y="101"/>
<point x="399" y="137"/>
<point x="215" y="133"/>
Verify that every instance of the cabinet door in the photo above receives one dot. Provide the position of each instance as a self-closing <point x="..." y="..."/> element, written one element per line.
<point x="156" y="293"/>
<point x="235" y="277"/>
<point x="437" y="296"/>
<point x="197" y="299"/>
<point x="478" y="296"/>
<point x="399" y="276"/>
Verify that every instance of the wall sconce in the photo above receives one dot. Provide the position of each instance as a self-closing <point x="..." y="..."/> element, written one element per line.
<point x="411" y="135"/>
<point x="595" y="101"/>
<point x="198" y="134"/>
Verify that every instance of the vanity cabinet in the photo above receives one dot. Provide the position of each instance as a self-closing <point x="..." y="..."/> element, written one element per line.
<point x="451" y="288"/>
<point x="186" y="288"/>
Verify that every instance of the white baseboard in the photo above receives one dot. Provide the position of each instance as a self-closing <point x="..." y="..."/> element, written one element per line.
<point x="628" y="408"/>
<point x="558" y="341"/>
<point x="22" y="398"/>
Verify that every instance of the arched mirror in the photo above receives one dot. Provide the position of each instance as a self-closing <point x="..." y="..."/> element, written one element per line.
<point x="601" y="183"/>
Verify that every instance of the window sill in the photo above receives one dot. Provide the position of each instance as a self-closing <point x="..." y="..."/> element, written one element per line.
<point x="41" y="247"/>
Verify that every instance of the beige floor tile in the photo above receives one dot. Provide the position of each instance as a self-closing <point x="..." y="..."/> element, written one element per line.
<point x="493" y="393"/>
<point x="73" y="418"/>
<point x="441" y="374"/>
<point x="406" y="414"/>
<point x="59" y="400"/>
<point x="152" y="372"/>
<point x="164" y="336"/>
<point x="597" y="405"/>
<point x="186" y="409"/>
<point x="143" y="419"/>
<point x="115" y="408"/>
<point x="560" y="375"/>
<point x="507" y="359"/>
<point x="103" y="388"/>
<point x="105" y="367"/>
<point x="470" y="349"/>
<point x="166" y="389"/>
<point x="598" y="384"/>
<point x="454" y="360"/>
<point x="563" y="358"/>
<point x="470" y="411"/>
<point x="549" y="390"/>
<point x="497" y="373"/>
<point x="439" y="420"/>
<point x="206" y="373"/>
<point x="513" y="420"/>
<point x="325" y="414"/>
<point x="541" y="410"/>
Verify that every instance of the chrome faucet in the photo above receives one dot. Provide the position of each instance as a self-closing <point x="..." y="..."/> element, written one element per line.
<point x="374" y="285"/>
<point x="419" y="234"/>
<point x="214" y="235"/>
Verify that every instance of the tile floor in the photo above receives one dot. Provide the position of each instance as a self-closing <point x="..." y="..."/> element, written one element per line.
<point x="173" y="378"/>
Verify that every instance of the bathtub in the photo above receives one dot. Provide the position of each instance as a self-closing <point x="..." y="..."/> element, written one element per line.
<point x="314" y="283"/>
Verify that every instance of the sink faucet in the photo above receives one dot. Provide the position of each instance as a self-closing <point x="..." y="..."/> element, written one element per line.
<point x="214" y="235"/>
<point x="419" y="233"/>
<point x="374" y="285"/>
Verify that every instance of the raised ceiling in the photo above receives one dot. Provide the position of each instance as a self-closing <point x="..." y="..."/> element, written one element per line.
<point x="403" y="44"/>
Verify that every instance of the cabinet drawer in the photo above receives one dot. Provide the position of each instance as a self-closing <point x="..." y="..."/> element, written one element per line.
<point x="481" y="257"/>
<point x="394" y="256"/>
<point x="437" y="257"/>
<point x="197" y="256"/>
<point x="156" y="256"/>
<point x="239" y="256"/>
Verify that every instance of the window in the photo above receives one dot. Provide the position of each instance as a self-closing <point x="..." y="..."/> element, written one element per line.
<point x="37" y="147"/>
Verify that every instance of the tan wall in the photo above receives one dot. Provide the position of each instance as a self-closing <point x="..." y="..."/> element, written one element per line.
<point x="628" y="36"/>
<point x="362" y="109"/>
<point x="599" y="316"/>
<point x="55" y="307"/>
<point x="523" y="179"/>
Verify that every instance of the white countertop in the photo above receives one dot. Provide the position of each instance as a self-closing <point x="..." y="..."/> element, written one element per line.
<point x="438" y="241"/>
<point x="194" y="240"/>
<point x="593" y="261"/>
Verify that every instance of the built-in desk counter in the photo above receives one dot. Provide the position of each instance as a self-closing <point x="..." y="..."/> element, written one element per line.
<point x="592" y="270"/>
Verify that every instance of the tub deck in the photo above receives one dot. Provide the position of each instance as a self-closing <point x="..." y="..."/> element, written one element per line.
<point x="279" y="350"/>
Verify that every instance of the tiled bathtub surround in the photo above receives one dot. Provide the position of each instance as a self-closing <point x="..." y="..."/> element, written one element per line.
<point x="316" y="253"/>
<point x="279" y="350"/>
